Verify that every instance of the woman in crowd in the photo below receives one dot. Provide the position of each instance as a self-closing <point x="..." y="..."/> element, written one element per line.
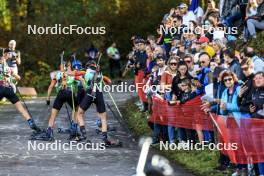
<point x="167" y="77"/>
<point x="176" y="94"/>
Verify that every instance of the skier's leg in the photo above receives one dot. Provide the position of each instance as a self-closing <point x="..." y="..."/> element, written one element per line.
<point x="12" y="97"/>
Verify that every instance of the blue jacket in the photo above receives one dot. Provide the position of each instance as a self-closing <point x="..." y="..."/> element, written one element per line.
<point x="203" y="80"/>
<point x="232" y="107"/>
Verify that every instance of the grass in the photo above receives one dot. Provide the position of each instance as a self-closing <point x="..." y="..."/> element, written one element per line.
<point x="254" y="43"/>
<point x="198" y="162"/>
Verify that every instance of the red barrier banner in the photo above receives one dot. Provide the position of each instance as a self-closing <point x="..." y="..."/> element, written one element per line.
<point x="140" y="85"/>
<point x="187" y="115"/>
<point x="247" y="134"/>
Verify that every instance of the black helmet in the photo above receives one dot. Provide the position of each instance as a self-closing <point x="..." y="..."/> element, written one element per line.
<point x="91" y="64"/>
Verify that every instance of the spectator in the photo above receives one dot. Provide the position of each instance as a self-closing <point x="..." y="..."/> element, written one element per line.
<point x="229" y="98"/>
<point x="232" y="63"/>
<point x="256" y="21"/>
<point x="154" y="80"/>
<point x="182" y="74"/>
<point x="257" y="104"/>
<point x="257" y="61"/>
<point x="251" y="10"/>
<point x="210" y="9"/>
<point x="192" y="67"/>
<point x="245" y="94"/>
<point x="167" y="77"/>
<point x="91" y="53"/>
<point x="202" y="75"/>
<point x="187" y="16"/>
<point x="229" y="105"/>
<point x="229" y="11"/>
<point x="15" y="59"/>
<point x="176" y="91"/>
<point x="219" y="47"/>
<point x="196" y="9"/>
<point x="114" y="56"/>
<point x="177" y="23"/>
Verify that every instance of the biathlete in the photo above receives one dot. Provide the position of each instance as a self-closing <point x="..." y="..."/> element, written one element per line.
<point x="66" y="86"/>
<point x="7" y="78"/>
<point x="94" y="79"/>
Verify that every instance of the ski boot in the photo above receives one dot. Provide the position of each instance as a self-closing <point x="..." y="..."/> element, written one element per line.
<point x="73" y="132"/>
<point x="33" y="126"/>
<point x="44" y="136"/>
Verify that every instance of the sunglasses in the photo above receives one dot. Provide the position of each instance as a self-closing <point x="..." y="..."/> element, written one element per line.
<point x="228" y="79"/>
<point x="173" y="64"/>
<point x="188" y="61"/>
<point x="244" y="68"/>
<point x="202" y="62"/>
<point x="183" y="85"/>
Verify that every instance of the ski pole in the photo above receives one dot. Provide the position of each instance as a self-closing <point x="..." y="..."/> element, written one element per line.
<point x="22" y="99"/>
<point x="111" y="97"/>
<point x="68" y="114"/>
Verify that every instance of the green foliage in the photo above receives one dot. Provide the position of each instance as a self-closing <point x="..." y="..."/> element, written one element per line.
<point x="39" y="79"/>
<point x="5" y="16"/>
<point x="122" y="19"/>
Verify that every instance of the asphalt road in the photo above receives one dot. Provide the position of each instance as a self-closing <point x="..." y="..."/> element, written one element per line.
<point x="17" y="158"/>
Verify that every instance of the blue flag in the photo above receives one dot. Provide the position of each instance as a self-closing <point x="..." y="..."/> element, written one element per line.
<point x="194" y="6"/>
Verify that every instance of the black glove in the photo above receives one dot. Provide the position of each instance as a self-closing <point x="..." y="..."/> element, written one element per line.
<point x="48" y="102"/>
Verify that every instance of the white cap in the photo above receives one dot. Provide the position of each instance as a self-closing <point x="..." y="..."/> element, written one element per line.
<point x="12" y="42"/>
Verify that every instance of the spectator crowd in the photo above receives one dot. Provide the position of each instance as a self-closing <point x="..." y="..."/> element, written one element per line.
<point x="203" y="51"/>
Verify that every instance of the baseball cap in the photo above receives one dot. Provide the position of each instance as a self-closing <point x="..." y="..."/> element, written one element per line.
<point x="183" y="5"/>
<point x="203" y="40"/>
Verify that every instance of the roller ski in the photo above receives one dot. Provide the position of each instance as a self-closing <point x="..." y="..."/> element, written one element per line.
<point x="44" y="136"/>
<point x="70" y="130"/>
<point x="73" y="131"/>
<point x="80" y="137"/>
<point x="63" y="131"/>
<point x="110" y="142"/>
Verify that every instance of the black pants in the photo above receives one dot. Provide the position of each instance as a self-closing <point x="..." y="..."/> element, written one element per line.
<point x="9" y="94"/>
<point x="98" y="100"/>
<point x="114" y="67"/>
<point x="64" y="96"/>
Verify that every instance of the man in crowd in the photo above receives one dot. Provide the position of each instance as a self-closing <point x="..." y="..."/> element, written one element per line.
<point x="15" y="59"/>
<point x="187" y="16"/>
<point x="114" y="63"/>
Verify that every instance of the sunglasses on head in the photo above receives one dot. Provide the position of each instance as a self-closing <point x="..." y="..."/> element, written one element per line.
<point x="228" y="79"/>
